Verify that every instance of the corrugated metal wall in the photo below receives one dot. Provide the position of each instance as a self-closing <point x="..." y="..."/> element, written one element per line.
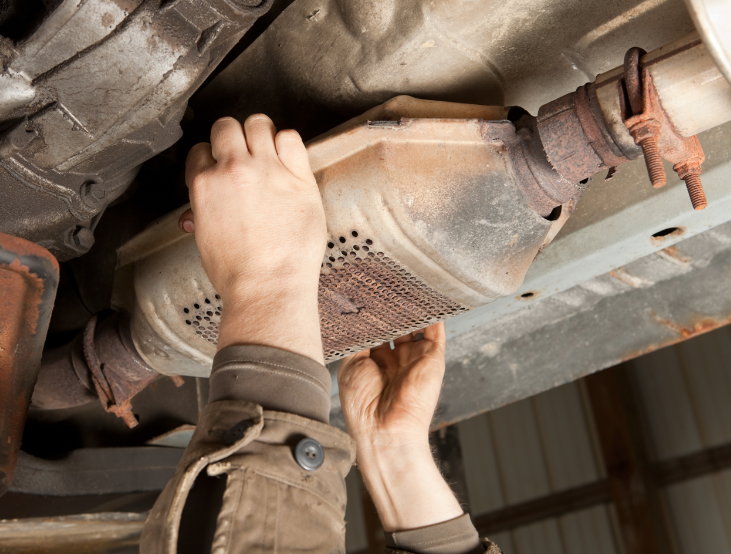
<point x="686" y="395"/>
<point x="548" y="444"/>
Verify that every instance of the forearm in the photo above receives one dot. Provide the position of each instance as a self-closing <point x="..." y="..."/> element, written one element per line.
<point x="406" y="486"/>
<point x="273" y="311"/>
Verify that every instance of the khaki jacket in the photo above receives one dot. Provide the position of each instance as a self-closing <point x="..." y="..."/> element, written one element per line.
<point x="274" y="500"/>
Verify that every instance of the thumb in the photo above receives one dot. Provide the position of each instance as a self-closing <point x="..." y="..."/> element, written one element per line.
<point x="186" y="221"/>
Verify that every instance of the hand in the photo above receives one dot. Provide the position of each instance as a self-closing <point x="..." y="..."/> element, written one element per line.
<point x="260" y="228"/>
<point x="388" y="399"/>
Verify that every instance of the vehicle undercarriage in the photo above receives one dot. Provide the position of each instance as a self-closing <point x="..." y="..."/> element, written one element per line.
<point x="522" y="119"/>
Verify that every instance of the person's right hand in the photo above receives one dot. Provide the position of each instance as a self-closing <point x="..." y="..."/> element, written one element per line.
<point x="388" y="399"/>
<point x="389" y="396"/>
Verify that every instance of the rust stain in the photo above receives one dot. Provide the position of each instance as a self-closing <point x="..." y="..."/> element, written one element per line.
<point x="107" y="20"/>
<point x="628" y="279"/>
<point x="699" y="328"/>
<point x="682" y="333"/>
<point x="22" y="294"/>
<point x="662" y="236"/>
<point x="673" y="253"/>
<point x="653" y="131"/>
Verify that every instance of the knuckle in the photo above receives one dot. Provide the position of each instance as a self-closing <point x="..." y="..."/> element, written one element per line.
<point x="226" y="120"/>
<point x="289" y="134"/>
<point x="258" y="117"/>
<point x="259" y="121"/>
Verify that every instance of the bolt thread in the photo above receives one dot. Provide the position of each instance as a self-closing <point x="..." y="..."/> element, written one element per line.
<point x="695" y="191"/>
<point x="653" y="161"/>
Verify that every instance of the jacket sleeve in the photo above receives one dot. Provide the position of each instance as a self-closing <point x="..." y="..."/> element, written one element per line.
<point x="264" y="402"/>
<point x="456" y="536"/>
<point x="275" y="379"/>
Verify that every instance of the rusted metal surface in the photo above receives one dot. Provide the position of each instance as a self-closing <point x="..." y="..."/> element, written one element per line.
<point x="102" y="362"/>
<point x="28" y="282"/>
<point x="483" y="51"/>
<point x="427" y="217"/>
<point x="653" y="131"/>
<point x="63" y="380"/>
<point x="117" y="372"/>
<point x="576" y="138"/>
<point x="367" y="299"/>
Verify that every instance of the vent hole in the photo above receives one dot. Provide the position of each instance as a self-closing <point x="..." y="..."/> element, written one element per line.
<point x="369" y="242"/>
<point x="187" y="321"/>
<point x="555" y="213"/>
<point x="354" y="233"/>
<point x="186" y="310"/>
<point x="209" y="313"/>
<point x="218" y="297"/>
<point x="207" y="301"/>
<point x="342" y="239"/>
<point x="197" y="306"/>
<point x="528" y="295"/>
<point x="666" y="232"/>
<point x="331" y="245"/>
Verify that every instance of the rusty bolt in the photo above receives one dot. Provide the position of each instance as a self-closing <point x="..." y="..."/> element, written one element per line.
<point x="647" y="136"/>
<point x="129" y="418"/>
<point x="690" y="172"/>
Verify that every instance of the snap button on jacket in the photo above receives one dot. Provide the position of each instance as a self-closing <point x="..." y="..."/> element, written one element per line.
<point x="271" y="504"/>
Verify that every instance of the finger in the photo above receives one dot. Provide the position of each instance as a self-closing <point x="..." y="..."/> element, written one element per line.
<point x="405" y="338"/>
<point x="227" y="140"/>
<point x="436" y="333"/>
<point x="260" y="132"/>
<point x="384" y="348"/>
<point x="293" y="154"/>
<point x="199" y="159"/>
<point x="186" y="222"/>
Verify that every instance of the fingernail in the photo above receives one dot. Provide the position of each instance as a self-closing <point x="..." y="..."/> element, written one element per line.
<point x="188" y="226"/>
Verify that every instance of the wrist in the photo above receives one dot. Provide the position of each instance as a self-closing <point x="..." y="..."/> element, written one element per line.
<point x="406" y="486"/>
<point x="278" y="313"/>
